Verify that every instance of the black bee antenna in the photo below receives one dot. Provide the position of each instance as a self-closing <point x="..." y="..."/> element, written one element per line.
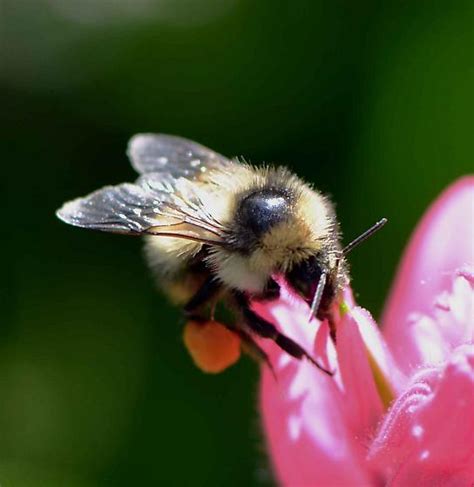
<point x="318" y="294"/>
<point x="364" y="236"/>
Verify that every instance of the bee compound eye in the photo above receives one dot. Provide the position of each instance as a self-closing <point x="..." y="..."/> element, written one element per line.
<point x="262" y="210"/>
<point x="304" y="277"/>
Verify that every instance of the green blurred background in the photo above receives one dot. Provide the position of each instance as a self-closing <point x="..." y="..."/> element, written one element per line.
<point x="371" y="101"/>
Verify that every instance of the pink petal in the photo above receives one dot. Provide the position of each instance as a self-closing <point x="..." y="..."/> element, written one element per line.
<point x="442" y="243"/>
<point x="451" y="323"/>
<point x="307" y="431"/>
<point x="427" y="438"/>
<point x="361" y="399"/>
<point x="375" y="344"/>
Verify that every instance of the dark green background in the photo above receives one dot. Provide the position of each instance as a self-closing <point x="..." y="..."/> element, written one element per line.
<point x="371" y="101"/>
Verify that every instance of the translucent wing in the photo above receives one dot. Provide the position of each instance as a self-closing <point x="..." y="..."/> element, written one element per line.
<point x="157" y="204"/>
<point x="173" y="155"/>
<point x="166" y="200"/>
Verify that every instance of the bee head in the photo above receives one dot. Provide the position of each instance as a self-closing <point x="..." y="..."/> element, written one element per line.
<point x="275" y="227"/>
<point x="304" y="277"/>
<point x="262" y="210"/>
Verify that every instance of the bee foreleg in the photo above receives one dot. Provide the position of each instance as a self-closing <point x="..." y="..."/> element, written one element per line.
<point x="271" y="292"/>
<point x="253" y="348"/>
<point x="265" y="329"/>
<point x="203" y="296"/>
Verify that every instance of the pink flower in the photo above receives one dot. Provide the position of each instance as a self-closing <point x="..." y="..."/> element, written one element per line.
<point x="400" y="409"/>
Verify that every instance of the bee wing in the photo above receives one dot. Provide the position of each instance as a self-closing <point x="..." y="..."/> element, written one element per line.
<point x="172" y="155"/>
<point x="157" y="204"/>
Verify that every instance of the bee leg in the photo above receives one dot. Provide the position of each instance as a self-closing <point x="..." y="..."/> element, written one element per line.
<point x="265" y="329"/>
<point x="329" y="316"/>
<point x="253" y="349"/>
<point x="212" y="312"/>
<point x="332" y="329"/>
<point x="203" y="296"/>
<point x="270" y="293"/>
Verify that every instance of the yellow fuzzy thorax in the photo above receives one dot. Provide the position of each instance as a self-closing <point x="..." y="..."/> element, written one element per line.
<point x="306" y="231"/>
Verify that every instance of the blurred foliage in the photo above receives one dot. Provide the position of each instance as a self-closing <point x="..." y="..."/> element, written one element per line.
<point x="371" y="101"/>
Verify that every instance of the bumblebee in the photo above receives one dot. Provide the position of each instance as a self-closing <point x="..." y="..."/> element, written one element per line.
<point x="220" y="230"/>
